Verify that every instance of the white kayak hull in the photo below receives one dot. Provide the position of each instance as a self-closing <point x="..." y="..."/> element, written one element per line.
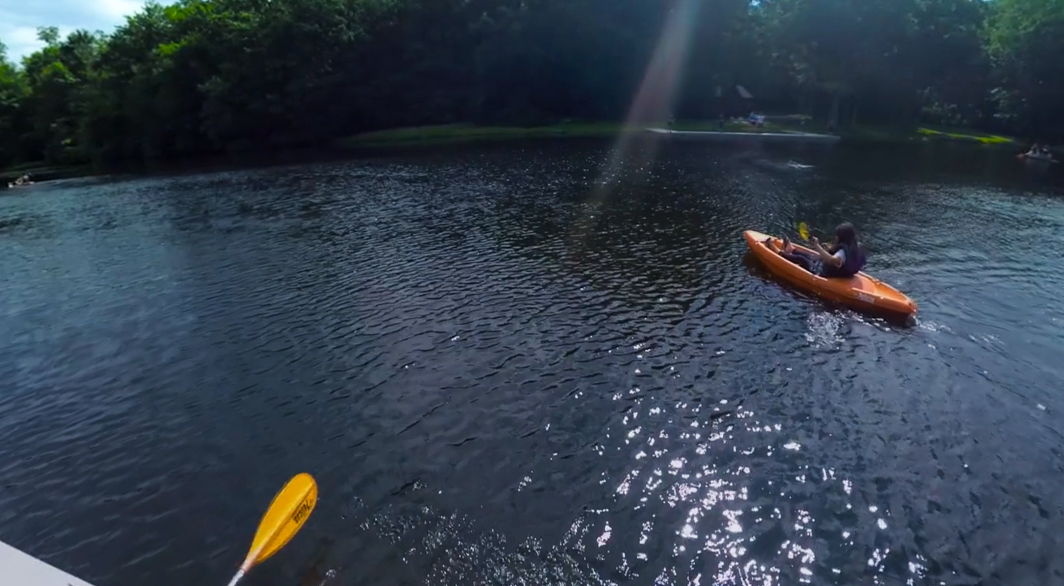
<point x="25" y="570"/>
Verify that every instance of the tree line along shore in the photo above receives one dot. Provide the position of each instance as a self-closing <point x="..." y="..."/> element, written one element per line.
<point x="202" y="77"/>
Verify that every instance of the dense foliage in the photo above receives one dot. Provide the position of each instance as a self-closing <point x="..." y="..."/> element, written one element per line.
<point x="204" y="76"/>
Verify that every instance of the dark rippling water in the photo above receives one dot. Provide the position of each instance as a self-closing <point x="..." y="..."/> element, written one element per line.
<point x="501" y="373"/>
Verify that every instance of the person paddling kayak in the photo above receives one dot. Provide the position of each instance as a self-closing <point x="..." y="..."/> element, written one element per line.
<point x="843" y="259"/>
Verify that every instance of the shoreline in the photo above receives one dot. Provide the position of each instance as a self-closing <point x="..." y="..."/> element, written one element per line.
<point x="466" y="133"/>
<point x="452" y="134"/>
<point x="41" y="172"/>
<point x="723" y="135"/>
<point x="460" y="133"/>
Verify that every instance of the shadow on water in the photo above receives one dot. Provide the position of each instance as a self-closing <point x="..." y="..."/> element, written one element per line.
<point x="500" y="374"/>
<point x="639" y="247"/>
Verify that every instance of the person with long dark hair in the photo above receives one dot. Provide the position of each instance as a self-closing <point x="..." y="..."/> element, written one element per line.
<point x="843" y="259"/>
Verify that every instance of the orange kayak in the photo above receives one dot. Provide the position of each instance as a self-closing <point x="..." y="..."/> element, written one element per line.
<point x="859" y="292"/>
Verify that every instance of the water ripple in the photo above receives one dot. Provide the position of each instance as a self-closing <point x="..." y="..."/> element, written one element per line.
<point x="502" y="373"/>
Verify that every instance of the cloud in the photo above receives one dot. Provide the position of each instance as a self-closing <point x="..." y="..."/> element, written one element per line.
<point x="20" y="41"/>
<point x="18" y="24"/>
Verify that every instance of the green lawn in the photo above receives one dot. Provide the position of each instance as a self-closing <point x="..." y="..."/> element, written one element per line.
<point x="450" y="133"/>
<point x="736" y="126"/>
<point x="873" y="133"/>
<point x="965" y="135"/>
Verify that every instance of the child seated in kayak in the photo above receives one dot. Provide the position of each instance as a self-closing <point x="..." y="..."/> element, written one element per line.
<point x="843" y="259"/>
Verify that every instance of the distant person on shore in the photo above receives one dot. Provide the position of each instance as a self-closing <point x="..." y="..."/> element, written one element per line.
<point x="843" y="259"/>
<point x="720" y="122"/>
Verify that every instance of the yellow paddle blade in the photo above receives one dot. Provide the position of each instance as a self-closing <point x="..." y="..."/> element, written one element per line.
<point x="286" y="515"/>
<point x="803" y="230"/>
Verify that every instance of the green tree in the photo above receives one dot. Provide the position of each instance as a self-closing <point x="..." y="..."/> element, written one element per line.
<point x="57" y="80"/>
<point x="207" y="76"/>
<point x="1024" y="40"/>
<point x="12" y="94"/>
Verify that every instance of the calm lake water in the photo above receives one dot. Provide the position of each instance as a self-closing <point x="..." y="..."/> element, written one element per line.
<point x="501" y="372"/>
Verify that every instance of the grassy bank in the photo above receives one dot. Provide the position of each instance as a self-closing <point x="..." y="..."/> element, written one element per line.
<point x="468" y="133"/>
<point x="456" y="133"/>
<point x="885" y="134"/>
<point x="734" y="126"/>
<point x="964" y="135"/>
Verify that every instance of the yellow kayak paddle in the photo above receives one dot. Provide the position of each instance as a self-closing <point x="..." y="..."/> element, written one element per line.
<point x="803" y="230"/>
<point x="286" y="515"/>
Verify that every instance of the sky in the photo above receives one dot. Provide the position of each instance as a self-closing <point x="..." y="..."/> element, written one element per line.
<point x="19" y="19"/>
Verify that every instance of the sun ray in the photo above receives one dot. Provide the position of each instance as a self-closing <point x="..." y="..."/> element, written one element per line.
<point x="654" y="99"/>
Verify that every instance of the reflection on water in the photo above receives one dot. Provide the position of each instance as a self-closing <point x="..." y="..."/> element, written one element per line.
<point x="501" y="374"/>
